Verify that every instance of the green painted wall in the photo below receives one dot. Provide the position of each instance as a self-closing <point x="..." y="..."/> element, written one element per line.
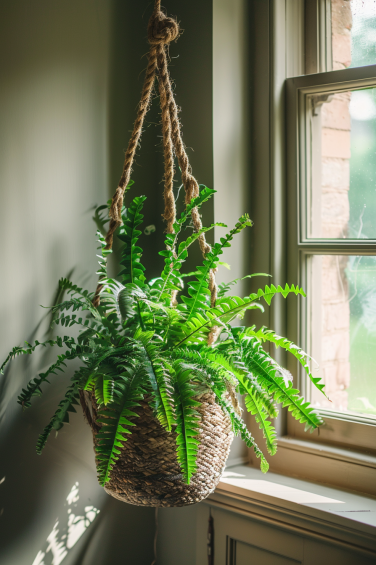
<point x="71" y="75"/>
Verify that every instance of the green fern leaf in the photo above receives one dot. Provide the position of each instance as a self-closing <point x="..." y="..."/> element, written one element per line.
<point x="271" y="376"/>
<point x="29" y="349"/>
<point x="195" y="329"/>
<point x="224" y="288"/>
<point x="157" y="371"/>
<point x="61" y="415"/>
<point x="133" y="270"/>
<point x="240" y="429"/>
<point x="187" y="421"/>
<point x="238" y="370"/>
<point x="256" y="409"/>
<point x="265" y="334"/>
<point x="115" y="424"/>
<point x="104" y="389"/>
<point x="199" y="294"/>
<point x="173" y="261"/>
<point x="268" y="293"/>
<point x="103" y="257"/>
<point x="34" y="386"/>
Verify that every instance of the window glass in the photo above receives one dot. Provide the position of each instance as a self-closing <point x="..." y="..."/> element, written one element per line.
<point x="342" y="321"/>
<point x="353" y="33"/>
<point x="341" y="181"/>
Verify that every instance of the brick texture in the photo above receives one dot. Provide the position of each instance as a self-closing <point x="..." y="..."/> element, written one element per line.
<point x="335" y="214"/>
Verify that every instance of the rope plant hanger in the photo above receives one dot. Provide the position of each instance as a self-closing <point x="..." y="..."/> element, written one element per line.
<point x="161" y="31"/>
<point x="153" y="475"/>
<point x="156" y="384"/>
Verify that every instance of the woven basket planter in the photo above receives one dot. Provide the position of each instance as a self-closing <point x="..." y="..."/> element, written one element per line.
<point x="147" y="472"/>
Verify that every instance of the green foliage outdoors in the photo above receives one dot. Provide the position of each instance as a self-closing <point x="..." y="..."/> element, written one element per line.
<point x="360" y="270"/>
<point x="139" y="343"/>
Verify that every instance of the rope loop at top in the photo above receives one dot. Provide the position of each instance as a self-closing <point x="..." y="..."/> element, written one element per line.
<point x="162" y="29"/>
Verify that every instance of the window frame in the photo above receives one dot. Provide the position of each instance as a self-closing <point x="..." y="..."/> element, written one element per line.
<point x="279" y="31"/>
<point x="341" y="428"/>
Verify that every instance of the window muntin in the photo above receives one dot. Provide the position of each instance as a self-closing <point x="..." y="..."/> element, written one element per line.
<point x="353" y="33"/>
<point x="341" y="199"/>
<point x="342" y="331"/>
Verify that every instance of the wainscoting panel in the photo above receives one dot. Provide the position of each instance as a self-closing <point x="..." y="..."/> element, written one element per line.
<point x="240" y="553"/>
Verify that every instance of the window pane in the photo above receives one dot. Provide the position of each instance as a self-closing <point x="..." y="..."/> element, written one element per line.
<point x="353" y="33"/>
<point x="342" y="165"/>
<point x="342" y="319"/>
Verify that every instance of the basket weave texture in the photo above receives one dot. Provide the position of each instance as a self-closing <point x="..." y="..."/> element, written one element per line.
<point x="147" y="472"/>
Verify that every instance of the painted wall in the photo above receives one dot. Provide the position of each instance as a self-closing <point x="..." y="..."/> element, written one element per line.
<point x="71" y="74"/>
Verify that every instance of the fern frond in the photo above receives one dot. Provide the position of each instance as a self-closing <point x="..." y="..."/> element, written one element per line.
<point x="104" y="389"/>
<point x="173" y="261"/>
<point x="241" y="430"/>
<point x="121" y="299"/>
<point x="132" y="269"/>
<point x="102" y="272"/>
<point x="187" y="421"/>
<point x="61" y="415"/>
<point x="115" y="424"/>
<point x="199" y="294"/>
<point x="265" y="334"/>
<point x="213" y="378"/>
<point x="254" y="406"/>
<point x="158" y="372"/>
<point x="33" y="387"/>
<point x="67" y="286"/>
<point x="201" y="367"/>
<point x="195" y="329"/>
<point x="270" y="375"/>
<point x="29" y="349"/>
<point x="268" y="293"/>
<point x="249" y="383"/>
<point x="224" y="288"/>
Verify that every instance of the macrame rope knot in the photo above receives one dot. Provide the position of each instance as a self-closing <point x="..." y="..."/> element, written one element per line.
<point x="162" y="29"/>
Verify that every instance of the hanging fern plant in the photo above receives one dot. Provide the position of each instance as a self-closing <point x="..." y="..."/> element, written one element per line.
<point x="162" y="364"/>
<point x="138" y="344"/>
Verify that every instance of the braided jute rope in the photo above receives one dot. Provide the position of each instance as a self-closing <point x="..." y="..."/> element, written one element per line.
<point x="161" y="31"/>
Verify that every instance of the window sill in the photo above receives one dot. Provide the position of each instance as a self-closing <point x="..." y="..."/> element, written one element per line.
<point x="333" y="452"/>
<point x="312" y="510"/>
<point x="336" y="466"/>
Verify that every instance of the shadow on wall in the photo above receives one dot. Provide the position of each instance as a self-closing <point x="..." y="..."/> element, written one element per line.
<point x="48" y="502"/>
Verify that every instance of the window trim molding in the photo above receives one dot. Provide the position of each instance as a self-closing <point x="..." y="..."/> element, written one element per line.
<point x="318" y="36"/>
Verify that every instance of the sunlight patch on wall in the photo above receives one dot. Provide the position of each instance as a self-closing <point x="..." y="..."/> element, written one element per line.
<point x="61" y="540"/>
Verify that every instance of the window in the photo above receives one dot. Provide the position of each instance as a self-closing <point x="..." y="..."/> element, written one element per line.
<point x="318" y="219"/>
<point x="334" y="117"/>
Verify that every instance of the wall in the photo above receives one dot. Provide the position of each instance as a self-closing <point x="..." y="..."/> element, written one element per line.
<point x="54" y="168"/>
<point x="71" y="76"/>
